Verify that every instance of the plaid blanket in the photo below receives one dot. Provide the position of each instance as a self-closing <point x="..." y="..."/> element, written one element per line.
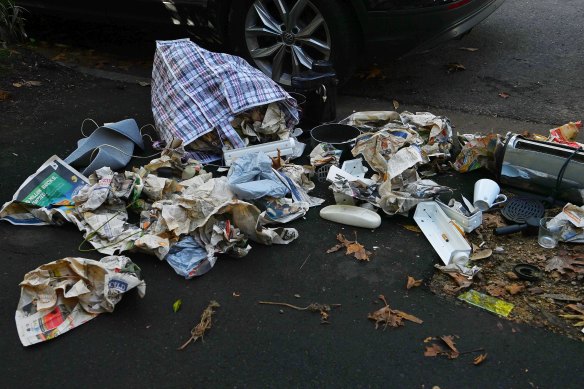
<point x="195" y="91"/>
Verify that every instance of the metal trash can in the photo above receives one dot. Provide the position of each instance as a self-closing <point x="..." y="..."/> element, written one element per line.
<point x="545" y="168"/>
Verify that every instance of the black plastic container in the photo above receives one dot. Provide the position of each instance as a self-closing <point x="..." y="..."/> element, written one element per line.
<point x="319" y="86"/>
<point x="340" y="136"/>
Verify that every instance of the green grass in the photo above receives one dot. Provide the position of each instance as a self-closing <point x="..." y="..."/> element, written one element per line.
<point x="11" y="23"/>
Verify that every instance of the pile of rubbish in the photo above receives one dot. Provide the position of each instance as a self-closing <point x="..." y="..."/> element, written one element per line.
<point x="209" y="107"/>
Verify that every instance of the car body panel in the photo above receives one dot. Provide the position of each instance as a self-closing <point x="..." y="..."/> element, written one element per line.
<point x="387" y="32"/>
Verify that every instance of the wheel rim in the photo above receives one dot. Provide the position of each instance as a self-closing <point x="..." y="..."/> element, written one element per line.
<point x="284" y="39"/>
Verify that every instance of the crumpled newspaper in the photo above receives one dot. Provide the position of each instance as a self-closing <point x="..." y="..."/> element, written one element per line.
<point x="325" y="154"/>
<point x="570" y="223"/>
<point x="477" y="152"/>
<point x="435" y="130"/>
<point x="61" y="295"/>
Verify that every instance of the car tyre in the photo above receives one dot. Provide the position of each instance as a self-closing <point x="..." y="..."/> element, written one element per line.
<point x="281" y="44"/>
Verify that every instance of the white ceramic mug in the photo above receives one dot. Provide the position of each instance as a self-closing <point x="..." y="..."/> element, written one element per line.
<point x="486" y="194"/>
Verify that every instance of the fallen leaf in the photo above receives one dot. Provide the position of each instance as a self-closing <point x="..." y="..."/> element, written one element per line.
<point x="353" y="248"/>
<point x="461" y="280"/>
<point x="26" y="83"/>
<point x="504" y="95"/>
<point x="511" y="275"/>
<point x="412" y="228"/>
<point x="390" y="317"/>
<point x="176" y="305"/>
<point x="480" y="359"/>
<point x="434" y="350"/>
<point x="561" y="297"/>
<point x="449" y="340"/>
<point x="395" y="104"/>
<point x="580" y="316"/>
<point x="496" y="290"/>
<point x="412" y="283"/>
<point x="428" y="339"/>
<point x="535" y="290"/>
<point x="455" y="67"/>
<point x="59" y="57"/>
<point x="4" y="95"/>
<point x="481" y="254"/>
<point x="335" y="248"/>
<point x="468" y="48"/>
<point x="373" y="73"/>
<point x="513" y="289"/>
<point x="564" y="264"/>
<point x="407" y="316"/>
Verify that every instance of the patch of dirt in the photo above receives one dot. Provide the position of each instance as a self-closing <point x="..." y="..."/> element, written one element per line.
<point x="539" y="303"/>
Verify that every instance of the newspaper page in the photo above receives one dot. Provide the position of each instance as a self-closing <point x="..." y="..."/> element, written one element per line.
<point x="44" y="194"/>
<point x="61" y="295"/>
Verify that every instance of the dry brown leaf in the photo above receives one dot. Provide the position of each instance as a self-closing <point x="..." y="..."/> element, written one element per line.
<point x="395" y="104"/>
<point x="480" y="359"/>
<point x="412" y="228"/>
<point x="390" y="317"/>
<point x="407" y="316"/>
<point x="513" y="289"/>
<point x="335" y="248"/>
<point x="4" y="95"/>
<point x="353" y="248"/>
<point x="468" y="48"/>
<point x="481" y="254"/>
<point x="563" y="264"/>
<point x="511" y="275"/>
<point x="461" y="280"/>
<point x="373" y="73"/>
<point x="428" y="339"/>
<point x="455" y="67"/>
<point x="412" y="283"/>
<point x="496" y="290"/>
<point x="26" y="83"/>
<point x="449" y="340"/>
<point x="504" y="95"/>
<point x="434" y="350"/>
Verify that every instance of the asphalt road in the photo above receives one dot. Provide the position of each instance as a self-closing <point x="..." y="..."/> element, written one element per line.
<point x="531" y="49"/>
<point x="256" y="346"/>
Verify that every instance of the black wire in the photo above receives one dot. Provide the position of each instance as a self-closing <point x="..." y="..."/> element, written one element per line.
<point x="563" y="171"/>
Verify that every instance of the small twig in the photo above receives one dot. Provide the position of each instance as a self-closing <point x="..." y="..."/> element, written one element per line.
<point x="284" y="305"/>
<point x="301" y="266"/>
<point x="478" y="350"/>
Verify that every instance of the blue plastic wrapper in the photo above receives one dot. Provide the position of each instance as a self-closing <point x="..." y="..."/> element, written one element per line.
<point x="188" y="258"/>
<point x="251" y="177"/>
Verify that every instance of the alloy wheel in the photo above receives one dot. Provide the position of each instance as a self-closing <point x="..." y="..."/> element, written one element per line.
<point x="285" y="37"/>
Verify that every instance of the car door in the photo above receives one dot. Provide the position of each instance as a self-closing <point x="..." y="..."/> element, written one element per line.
<point x="186" y="13"/>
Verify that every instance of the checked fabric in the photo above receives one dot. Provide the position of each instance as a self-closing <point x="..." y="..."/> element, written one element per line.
<point x="195" y="91"/>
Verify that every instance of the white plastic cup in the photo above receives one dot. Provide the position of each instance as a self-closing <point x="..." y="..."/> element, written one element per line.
<point x="486" y="194"/>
